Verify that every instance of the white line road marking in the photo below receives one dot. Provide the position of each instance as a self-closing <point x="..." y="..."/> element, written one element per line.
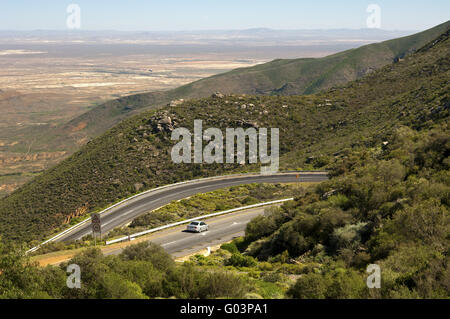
<point x="169" y="243"/>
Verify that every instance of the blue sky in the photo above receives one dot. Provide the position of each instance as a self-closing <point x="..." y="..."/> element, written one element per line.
<point x="154" y="15"/>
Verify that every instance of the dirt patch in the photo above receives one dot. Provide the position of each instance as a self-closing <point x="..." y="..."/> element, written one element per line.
<point x="203" y="252"/>
<point x="6" y="158"/>
<point x="7" y="188"/>
<point x="79" y="127"/>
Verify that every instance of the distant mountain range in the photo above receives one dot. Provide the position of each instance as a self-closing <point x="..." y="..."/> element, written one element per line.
<point x="266" y="33"/>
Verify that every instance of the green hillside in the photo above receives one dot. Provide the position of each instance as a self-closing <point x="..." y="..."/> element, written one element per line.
<point x="315" y="131"/>
<point x="279" y="77"/>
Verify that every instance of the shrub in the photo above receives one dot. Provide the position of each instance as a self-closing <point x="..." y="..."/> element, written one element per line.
<point x="311" y="286"/>
<point x="336" y="283"/>
<point x="265" y="266"/>
<point x="221" y="284"/>
<point x="188" y="281"/>
<point x="272" y="277"/>
<point x="231" y="247"/>
<point x="260" y="227"/>
<point x="148" y="251"/>
<point x="117" y="287"/>
<point x="348" y="236"/>
<point x="239" y="260"/>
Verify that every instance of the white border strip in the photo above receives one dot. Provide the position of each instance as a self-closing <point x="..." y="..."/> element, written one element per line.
<point x="196" y="218"/>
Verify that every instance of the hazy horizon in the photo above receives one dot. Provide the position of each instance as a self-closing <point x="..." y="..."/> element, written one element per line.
<point x="215" y="30"/>
<point x="178" y="15"/>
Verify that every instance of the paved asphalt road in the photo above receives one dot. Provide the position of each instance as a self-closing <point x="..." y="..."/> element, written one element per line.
<point x="127" y="211"/>
<point x="177" y="242"/>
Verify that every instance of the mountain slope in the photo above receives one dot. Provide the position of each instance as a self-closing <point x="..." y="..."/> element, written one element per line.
<point x="314" y="130"/>
<point x="279" y="77"/>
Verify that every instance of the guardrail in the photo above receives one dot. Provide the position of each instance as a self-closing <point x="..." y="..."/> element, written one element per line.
<point x="104" y="211"/>
<point x="196" y="218"/>
<point x="128" y="199"/>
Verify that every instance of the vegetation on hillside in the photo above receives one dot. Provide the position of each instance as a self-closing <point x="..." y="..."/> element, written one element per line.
<point x="279" y="77"/>
<point x="315" y="131"/>
<point x="387" y="202"/>
<point x="386" y="205"/>
<point x="140" y="272"/>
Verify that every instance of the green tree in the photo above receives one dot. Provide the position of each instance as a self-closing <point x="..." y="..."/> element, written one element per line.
<point x="117" y="287"/>
<point x="148" y="251"/>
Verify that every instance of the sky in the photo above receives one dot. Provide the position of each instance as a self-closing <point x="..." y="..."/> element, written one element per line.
<point x="177" y="15"/>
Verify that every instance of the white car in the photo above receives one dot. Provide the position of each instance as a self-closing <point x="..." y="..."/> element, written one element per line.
<point x="197" y="226"/>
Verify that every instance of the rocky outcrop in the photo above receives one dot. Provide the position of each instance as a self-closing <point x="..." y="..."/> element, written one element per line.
<point x="218" y="95"/>
<point x="161" y="122"/>
<point x="246" y="124"/>
<point x="329" y="194"/>
<point x="77" y="213"/>
<point x="175" y="102"/>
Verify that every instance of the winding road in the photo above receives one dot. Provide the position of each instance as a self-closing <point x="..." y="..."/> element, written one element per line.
<point x="125" y="212"/>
